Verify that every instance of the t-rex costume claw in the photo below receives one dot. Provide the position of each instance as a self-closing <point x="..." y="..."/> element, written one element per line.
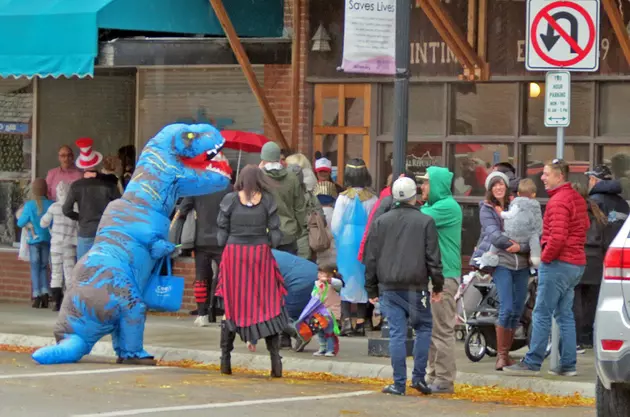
<point x="108" y="282"/>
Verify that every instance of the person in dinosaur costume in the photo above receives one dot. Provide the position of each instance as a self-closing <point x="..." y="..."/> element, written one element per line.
<point x="108" y="282"/>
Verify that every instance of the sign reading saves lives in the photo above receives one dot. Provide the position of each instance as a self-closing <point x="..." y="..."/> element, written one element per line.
<point x="562" y="34"/>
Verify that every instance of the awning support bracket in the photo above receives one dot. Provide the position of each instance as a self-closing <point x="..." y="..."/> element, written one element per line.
<point x="475" y="68"/>
<point x="246" y="66"/>
<point x="618" y="27"/>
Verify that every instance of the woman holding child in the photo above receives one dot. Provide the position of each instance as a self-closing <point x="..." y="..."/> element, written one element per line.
<point x="511" y="275"/>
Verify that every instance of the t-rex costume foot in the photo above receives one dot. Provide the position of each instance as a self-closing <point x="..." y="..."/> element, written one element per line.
<point x="108" y="282"/>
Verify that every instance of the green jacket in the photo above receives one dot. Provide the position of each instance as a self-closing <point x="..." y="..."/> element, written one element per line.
<point x="291" y="204"/>
<point x="447" y="214"/>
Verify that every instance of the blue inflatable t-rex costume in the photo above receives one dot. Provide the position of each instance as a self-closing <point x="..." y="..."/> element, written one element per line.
<point x="105" y="296"/>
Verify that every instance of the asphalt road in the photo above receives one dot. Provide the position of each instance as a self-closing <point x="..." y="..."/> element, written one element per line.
<point x="100" y="388"/>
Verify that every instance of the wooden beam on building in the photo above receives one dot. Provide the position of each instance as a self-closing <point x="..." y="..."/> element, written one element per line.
<point x="295" y="76"/>
<point x="482" y="28"/>
<point x="475" y="68"/>
<point x="472" y="23"/>
<point x="246" y="66"/>
<point x="619" y="28"/>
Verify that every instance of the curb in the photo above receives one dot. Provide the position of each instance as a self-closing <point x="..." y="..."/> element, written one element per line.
<point x="347" y="369"/>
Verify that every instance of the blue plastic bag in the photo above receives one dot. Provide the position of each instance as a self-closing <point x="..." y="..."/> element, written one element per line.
<point x="164" y="292"/>
<point x="348" y="241"/>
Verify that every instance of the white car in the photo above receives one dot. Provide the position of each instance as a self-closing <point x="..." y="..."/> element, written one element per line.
<point x="612" y="330"/>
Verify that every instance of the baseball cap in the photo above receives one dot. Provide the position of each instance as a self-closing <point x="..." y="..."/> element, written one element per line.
<point x="404" y="188"/>
<point x="601" y="172"/>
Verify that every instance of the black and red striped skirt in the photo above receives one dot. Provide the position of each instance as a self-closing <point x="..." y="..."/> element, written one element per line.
<point x="252" y="292"/>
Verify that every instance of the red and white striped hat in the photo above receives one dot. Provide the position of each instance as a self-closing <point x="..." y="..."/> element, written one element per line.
<point x="88" y="158"/>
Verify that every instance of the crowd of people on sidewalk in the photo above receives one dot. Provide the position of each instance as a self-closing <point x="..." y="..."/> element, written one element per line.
<point x="287" y="253"/>
<point x="60" y="221"/>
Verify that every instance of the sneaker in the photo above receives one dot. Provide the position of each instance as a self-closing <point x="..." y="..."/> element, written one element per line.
<point x="330" y="354"/>
<point x="202" y="321"/>
<point x="392" y="390"/>
<point x="319" y="353"/>
<point x="520" y="369"/>
<point x="581" y="349"/>
<point x="560" y="372"/>
<point x="421" y="387"/>
<point x="441" y="389"/>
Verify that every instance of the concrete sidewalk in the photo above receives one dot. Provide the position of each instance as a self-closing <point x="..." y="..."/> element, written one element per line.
<point x="175" y="338"/>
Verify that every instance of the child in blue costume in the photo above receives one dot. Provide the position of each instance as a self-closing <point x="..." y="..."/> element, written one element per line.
<point x="38" y="241"/>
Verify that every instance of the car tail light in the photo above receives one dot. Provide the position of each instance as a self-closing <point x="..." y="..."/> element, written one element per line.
<point x="617" y="264"/>
<point x="612" y="345"/>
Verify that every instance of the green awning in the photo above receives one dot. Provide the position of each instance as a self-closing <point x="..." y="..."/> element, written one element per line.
<point x="60" y="37"/>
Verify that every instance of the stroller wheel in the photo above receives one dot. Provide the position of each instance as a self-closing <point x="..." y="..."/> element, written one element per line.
<point x="475" y="345"/>
<point x="460" y="335"/>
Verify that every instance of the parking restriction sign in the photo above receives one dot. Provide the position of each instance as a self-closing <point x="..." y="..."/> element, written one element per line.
<point x="562" y="34"/>
<point x="558" y="99"/>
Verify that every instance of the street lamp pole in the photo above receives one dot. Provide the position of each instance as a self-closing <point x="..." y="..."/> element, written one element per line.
<point x="401" y="86"/>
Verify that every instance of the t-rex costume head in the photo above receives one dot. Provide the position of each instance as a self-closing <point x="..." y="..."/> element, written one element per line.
<point x="108" y="282"/>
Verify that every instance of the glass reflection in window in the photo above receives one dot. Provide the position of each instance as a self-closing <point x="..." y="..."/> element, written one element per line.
<point x="472" y="162"/>
<point x="536" y="156"/>
<point x="617" y="157"/>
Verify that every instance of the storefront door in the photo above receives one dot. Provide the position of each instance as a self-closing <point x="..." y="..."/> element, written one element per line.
<point x="341" y="122"/>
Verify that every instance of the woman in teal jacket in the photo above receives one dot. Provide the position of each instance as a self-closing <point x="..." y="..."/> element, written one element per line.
<point x="38" y="241"/>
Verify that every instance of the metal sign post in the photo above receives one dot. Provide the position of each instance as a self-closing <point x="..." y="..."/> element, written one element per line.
<point x="558" y="115"/>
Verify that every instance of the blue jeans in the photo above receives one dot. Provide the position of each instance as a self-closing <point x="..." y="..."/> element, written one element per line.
<point x="84" y="244"/>
<point x="39" y="256"/>
<point x="556" y="285"/>
<point x="512" y="289"/>
<point x="327" y="338"/>
<point x="400" y="308"/>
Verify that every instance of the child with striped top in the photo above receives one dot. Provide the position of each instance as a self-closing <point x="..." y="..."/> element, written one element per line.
<point x="63" y="247"/>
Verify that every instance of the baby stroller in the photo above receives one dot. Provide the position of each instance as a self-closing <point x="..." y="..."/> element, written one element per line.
<point x="468" y="298"/>
<point x="481" y="337"/>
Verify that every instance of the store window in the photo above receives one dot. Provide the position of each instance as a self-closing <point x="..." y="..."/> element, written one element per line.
<point x="420" y="156"/>
<point x="471" y="163"/>
<point x="534" y="110"/>
<point x="617" y="157"/>
<point x="536" y="156"/>
<point x="16" y="116"/>
<point x="483" y="109"/>
<point x="426" y="109"/>
<point x="471" y="228"/>
<point x="613" y="109"/>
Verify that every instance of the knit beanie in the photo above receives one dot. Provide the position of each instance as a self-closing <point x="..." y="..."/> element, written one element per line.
<point x="270" y="152"/>
<point x="495" y="176"/>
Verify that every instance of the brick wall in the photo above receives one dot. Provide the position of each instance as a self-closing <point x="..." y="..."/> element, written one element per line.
<point x="278" y="83"/>
<point x="15" y="279"/>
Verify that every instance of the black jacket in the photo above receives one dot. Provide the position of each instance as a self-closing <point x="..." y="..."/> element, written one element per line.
<point x="92" y="195"/>
<point x="402" y="252"/>
<point x="607" y="195"/>
<point x="207" y="210"/>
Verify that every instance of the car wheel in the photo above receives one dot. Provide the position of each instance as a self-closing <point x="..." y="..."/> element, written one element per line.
<point x="614" y="402"/>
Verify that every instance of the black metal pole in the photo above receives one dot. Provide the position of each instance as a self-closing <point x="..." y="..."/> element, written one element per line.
<point x="401" y="86"/>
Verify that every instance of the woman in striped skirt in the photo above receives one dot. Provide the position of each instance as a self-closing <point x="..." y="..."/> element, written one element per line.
<point x="250" y="285"/>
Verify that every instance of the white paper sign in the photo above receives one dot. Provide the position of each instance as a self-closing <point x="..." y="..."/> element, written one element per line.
<point x="369" y="43"/>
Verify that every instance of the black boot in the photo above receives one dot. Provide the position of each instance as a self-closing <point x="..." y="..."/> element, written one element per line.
<point x="285" y="341"/>
<point x="273" y="346"/>
<point x="359" y="330"/>
<point x="37" y="302"/>
<point x="57" y="294"/>
<point x="45" y="301"/>
<point x="346" y="327"/>
<point x="227" y="345"/>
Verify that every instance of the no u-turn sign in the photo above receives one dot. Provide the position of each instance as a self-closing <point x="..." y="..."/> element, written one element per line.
<point x="562" y="34"/>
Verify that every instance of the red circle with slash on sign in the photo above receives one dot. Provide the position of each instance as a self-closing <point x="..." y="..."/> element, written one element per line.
<point x="581" y="52"/>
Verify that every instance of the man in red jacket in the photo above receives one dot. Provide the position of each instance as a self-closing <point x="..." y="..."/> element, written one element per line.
<point x="563" y="260"/>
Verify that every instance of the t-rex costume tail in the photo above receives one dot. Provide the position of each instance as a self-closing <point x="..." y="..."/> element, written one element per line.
<point x="108" y="282"/>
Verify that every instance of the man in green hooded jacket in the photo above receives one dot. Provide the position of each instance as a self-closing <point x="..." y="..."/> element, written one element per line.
<point x="447" y="213"/>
